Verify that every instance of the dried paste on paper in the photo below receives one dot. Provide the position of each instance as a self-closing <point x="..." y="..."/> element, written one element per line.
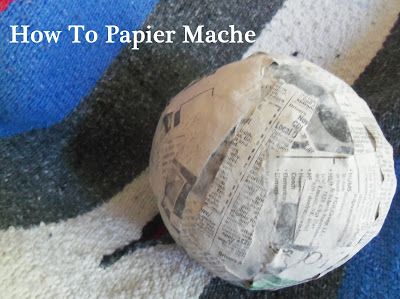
<point x="271" y="172"/>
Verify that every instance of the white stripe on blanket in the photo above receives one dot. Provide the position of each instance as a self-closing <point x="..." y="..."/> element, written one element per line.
<point x="341" y="36"/>
<point x="62" y="260"/>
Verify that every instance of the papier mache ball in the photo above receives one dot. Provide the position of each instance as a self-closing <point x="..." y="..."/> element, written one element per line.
<point x="271" y="172"/>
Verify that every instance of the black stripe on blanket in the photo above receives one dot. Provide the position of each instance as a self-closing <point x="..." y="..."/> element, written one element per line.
<point x="66" y="170"/>
<point x="325" y="287"/>
<point x="379" y="85"/>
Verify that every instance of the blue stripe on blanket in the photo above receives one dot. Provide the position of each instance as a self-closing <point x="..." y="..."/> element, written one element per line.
<point x="375" y="271"/>
<point x="41" y="83"/>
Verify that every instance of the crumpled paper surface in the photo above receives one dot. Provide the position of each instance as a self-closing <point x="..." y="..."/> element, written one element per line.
<point x="271" y="172"/>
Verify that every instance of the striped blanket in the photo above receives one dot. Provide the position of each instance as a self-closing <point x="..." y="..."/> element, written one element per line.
<point x="77" y="217"/>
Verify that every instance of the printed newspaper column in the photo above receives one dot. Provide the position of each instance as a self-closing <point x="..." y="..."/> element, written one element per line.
<point x="230" y="213"/>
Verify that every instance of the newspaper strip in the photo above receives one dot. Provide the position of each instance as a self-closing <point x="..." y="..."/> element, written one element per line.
<point x="233" y="203"/>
